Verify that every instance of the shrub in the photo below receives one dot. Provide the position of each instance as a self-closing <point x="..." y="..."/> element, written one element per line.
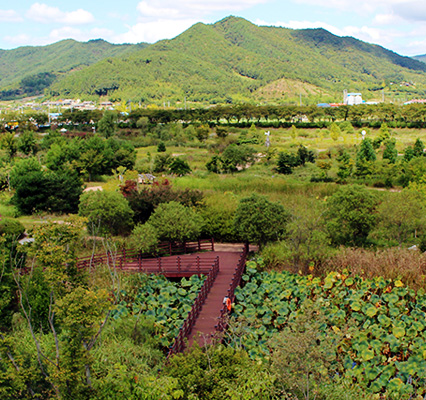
<point x="176" y="222"/>
<point x="144" y="238"/>
<point x="108" y="213"/>
<point x="257" y="220"/>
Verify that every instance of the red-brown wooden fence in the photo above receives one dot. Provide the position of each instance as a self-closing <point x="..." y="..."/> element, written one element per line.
<point x="222" y="324"/>
<point x="186" y="328"/>
<point x="123" y="257"/>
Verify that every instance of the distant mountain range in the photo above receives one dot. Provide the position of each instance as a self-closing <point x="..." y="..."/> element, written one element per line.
<point x="230" y="61"/>
<point x="29" y="70"/>
<point x="421" y="58"/>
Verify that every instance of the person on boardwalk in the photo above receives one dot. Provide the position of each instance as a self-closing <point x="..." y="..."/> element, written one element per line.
<point x="227" y="302"/>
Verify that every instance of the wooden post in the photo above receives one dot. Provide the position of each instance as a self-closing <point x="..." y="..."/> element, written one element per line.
<point x="170" y="248"/>
<point x="212" y="244"/>
<point x="198" y="266"/>
<point x="178" y="263"/>
<point x="199" y="245"/>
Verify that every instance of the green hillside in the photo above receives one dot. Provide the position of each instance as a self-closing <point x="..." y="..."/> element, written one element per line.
<point x="421" y="58"/>
<point x="234" y="60"/>
<point x="28" y="70"/>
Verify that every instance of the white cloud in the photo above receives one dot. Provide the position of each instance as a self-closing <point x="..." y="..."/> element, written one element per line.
<point x="60" y="34"/>
<point x="10" y="16"/>
<point x="411" y="10"/>
<point x="153" y="31"/>
<point x="189" y="9"/>
<point x="364" y="33"/>
<point x="384" y="11"/>
<point x="387" y="19"/>
<point x="165" y="19"/>
<point x="45" y="14"/>
<point x="19" y="40"/>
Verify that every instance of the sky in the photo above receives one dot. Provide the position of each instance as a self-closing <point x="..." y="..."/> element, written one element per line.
<point x="398" y="25"/>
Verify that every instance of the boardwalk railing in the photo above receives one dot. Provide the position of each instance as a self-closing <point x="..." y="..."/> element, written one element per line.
<point x="121" y="258"/>
<point x="236" y="280"/>
<point x="186" y="328"/>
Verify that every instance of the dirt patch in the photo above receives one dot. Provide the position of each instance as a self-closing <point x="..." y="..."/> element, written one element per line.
<point x="233" y="247"/>
<point x="93" y="189"/>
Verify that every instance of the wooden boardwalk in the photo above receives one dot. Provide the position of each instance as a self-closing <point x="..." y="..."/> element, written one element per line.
<point x="208" y="318"/>
<point x="220" y="268"/>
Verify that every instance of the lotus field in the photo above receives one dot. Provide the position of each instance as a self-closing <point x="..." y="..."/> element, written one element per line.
<point x="164" y="301"/>
<point x="377" y="326"/>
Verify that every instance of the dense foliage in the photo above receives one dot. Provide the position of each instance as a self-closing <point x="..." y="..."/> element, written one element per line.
<point x="377" y="325"/>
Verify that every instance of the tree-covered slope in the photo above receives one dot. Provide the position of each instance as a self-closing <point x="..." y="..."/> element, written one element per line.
<point x="234" y="60"/>
<point x="421" y="58"/>
<point x="31" y="69"/>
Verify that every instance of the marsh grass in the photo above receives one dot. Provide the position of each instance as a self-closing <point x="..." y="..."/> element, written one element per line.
<point x="391" y="263"/>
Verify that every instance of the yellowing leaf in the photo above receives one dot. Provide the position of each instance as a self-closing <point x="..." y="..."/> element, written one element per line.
<point x="335" y="329"/>
<point x="398" y="283"/>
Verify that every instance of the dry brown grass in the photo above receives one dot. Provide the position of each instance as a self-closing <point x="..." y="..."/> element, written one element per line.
<point x="392" y="263"/>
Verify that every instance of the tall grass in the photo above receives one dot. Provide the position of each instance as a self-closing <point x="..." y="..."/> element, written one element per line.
<point x="243" y="184"/>
<point x="392" y="263"/>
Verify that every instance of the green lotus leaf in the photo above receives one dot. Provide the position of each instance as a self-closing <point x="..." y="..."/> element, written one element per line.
<point x="366" y="354"/>
<point x="185" y="283"/>
<point x="283" y="310"/>
<point x="377" y="386"/>
<point x="395" y="384"/>
<point x="391" y="298"/>
<point x="371" y="371"/>
<point x="412" y="331"/>
<point x="398" y="331"/>
<point x="349" y="281"/>
<point x="150" y="313"/>
<point x="280" y="321"/>
<point x="356" y="306"/>
<point x="369" y="310"/>
<point x="394" y="312"/>
<point x="384" y="320"/>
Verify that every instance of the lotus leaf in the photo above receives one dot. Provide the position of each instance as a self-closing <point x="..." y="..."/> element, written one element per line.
<point x="384" y="320"/>
<point x="366" y="354"/>
<point x="279" y="321"/>
<point x="398" y="331"/>
<point x="391" y="297"/>
<point x="356" y="305"/>
<point x="394" y="312"/>
<point x="395" y="384"/>
<point x="369" y="310"/>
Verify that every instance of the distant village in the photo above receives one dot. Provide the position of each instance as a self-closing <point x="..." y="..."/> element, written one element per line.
<point x="53" y="107"/>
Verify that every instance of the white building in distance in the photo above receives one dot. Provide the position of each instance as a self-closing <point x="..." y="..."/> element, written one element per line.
<point x="353" y="99"/>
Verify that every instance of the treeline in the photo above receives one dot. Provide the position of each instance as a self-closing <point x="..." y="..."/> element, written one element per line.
<point x="244" y="115"/>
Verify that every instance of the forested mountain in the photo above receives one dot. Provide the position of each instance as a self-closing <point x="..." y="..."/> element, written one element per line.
<point x="29" y="70"/>
<point x="421" y="58"/>
<point x="234" y="60"/>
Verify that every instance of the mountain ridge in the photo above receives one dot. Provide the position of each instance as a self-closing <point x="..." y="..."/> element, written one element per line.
<point x="234" y="60"/>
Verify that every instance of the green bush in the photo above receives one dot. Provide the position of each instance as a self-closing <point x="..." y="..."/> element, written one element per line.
<point x="11" y="228"/>
<point x="108" y="213"/>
